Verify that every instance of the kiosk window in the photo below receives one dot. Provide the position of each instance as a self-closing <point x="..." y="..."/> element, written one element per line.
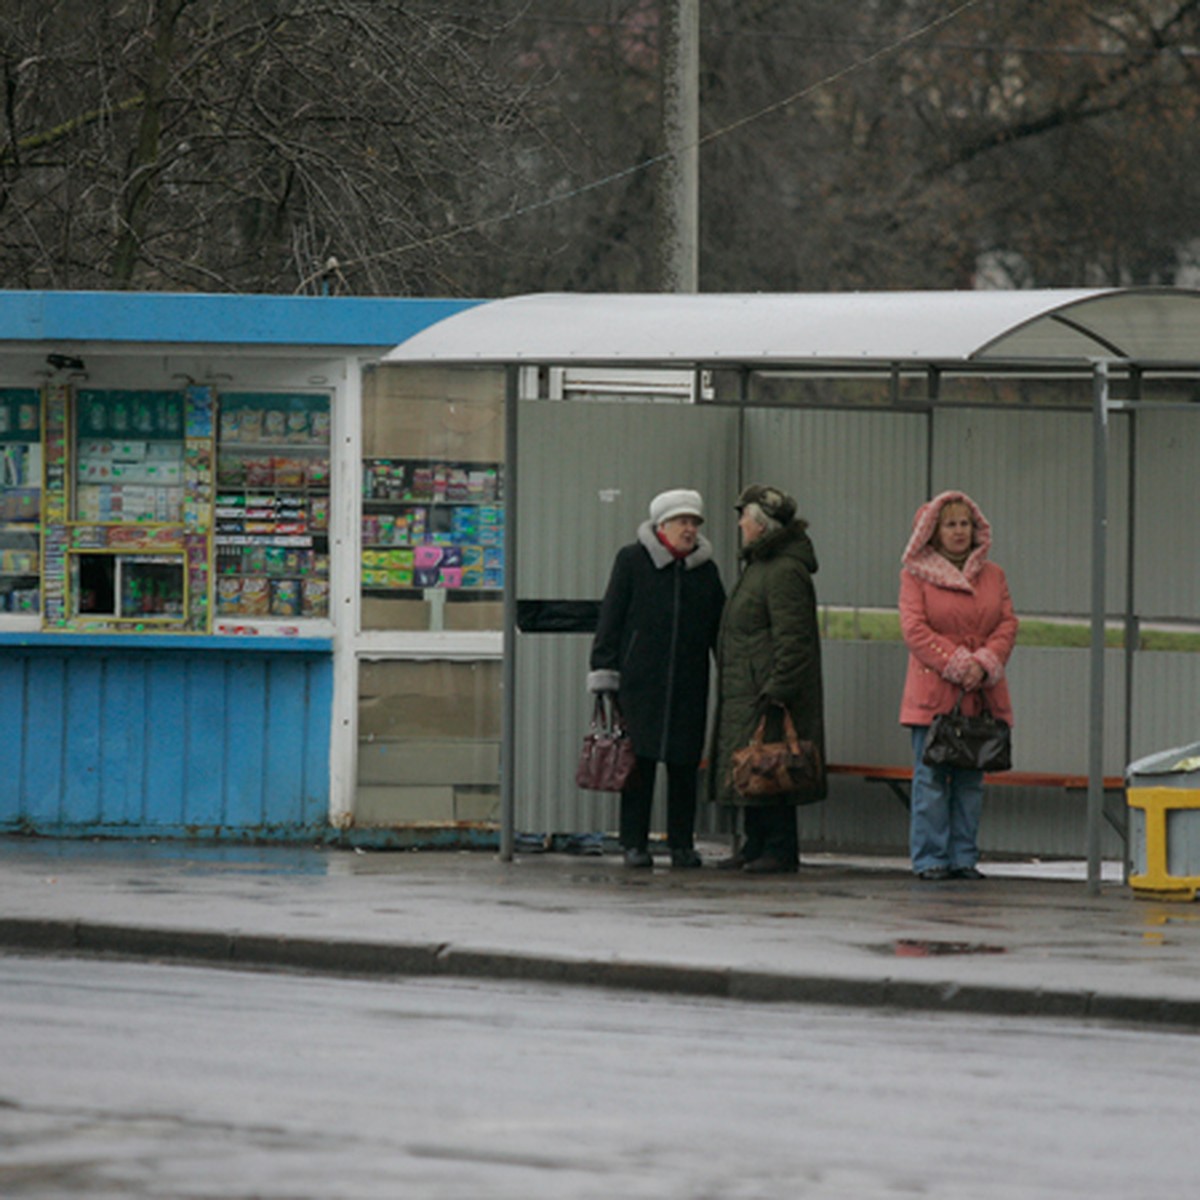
<point x="129" y="586"/>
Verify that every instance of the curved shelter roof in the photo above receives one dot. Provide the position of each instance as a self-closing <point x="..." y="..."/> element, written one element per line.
<point x="1055" y="326"/>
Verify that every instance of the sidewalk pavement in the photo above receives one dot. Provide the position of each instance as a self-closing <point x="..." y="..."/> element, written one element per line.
<point x="857" y="931"/>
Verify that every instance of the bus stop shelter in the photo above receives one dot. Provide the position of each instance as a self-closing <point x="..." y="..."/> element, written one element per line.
<point x="1135" y="350"/>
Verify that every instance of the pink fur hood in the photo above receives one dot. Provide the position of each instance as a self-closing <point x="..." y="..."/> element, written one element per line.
<point x="922" y="560"/>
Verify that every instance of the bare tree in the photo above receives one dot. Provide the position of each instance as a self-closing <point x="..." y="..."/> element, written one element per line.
<point x="501" y="146"/>
<point x="1053" y="142"/>
<point x="251" y="145"/>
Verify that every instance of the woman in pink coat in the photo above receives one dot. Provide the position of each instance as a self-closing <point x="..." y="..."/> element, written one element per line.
<point x="958" y="623"/>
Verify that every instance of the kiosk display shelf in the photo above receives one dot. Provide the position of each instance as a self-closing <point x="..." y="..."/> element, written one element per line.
<point x="20" y="500"/>
<point x="271" y="533"/>
<point x="432" y="526"/>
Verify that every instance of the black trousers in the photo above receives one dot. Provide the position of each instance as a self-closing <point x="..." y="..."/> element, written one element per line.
<point x="771" y="830"/>
<point x="638" y="796"/>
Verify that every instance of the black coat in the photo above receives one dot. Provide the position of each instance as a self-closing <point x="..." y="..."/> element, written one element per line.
<point x="657" y="629"/>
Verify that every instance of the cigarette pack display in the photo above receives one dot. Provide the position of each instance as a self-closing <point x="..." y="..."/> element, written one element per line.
<point x="315" y="601"/>
<point x="256" y="597"/>
<point x="285" y="597"/>
<point x="229" y="595"/>
<point x="273" y="461"/>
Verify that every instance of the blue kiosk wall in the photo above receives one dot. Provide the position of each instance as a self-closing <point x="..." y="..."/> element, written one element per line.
<point x="207" y="740"/>
<point x="161" y="734"/>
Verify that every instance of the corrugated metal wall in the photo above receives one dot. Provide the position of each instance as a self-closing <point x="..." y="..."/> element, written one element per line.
<point x="587" y="474"/>
<point x="859" y="476"/>
<point x="1031" y="473"/>
<point x="129" y="743"/>
<point x="1167" y="580"/>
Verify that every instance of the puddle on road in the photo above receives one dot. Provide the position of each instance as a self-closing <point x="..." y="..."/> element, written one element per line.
<point x="928" y="948"/>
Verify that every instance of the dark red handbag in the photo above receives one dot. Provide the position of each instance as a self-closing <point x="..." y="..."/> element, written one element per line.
<point x="606" y="760"/>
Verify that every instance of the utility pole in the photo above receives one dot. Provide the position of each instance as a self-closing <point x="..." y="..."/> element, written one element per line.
<point x="679" y="186"/>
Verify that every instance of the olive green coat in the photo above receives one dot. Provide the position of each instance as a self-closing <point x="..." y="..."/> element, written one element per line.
<point x="768" y="649"/>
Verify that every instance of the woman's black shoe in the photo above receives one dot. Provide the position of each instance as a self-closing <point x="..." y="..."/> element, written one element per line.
<point x="638" y="858"/>
<point x="770" y="865"/>
<point x="966" y="873"/>
<point x="934" y="874"/>
<point x="686" y="858"/>
<point x="735" y="862"/>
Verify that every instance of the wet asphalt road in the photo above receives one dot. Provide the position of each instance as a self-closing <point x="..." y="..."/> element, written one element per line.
<point x="169" y="1082"/>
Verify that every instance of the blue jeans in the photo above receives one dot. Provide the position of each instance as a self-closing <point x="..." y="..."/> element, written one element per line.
<point x="946" y="806"/>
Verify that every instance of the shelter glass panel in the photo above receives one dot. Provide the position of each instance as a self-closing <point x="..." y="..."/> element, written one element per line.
<point x="1026" y="391"/>
<point x="429" y="742"/>
<point x="432" y="498"/>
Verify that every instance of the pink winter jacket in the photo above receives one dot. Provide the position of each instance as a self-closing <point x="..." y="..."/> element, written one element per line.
<point x="950" y="618"/>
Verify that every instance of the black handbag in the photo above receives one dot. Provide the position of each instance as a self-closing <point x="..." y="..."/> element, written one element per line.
<point x="981" y="743"/>
<point x="606" y="759"/>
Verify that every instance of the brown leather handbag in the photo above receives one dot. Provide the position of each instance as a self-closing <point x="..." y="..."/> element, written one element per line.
<point x="765" y="768"/>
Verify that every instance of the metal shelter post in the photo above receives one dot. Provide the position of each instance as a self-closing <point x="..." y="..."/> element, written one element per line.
<point x="508" y="706"/>
<point x="1095" y="793"/>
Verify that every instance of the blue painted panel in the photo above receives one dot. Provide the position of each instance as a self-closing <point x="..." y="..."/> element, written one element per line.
<point x="123" y="739"/>
<point x="12" y="744"/>
<point x="319" y="698"/>
<point x="42" y="749"/>
<point x="286" y="731"/>
<point x="204" y="746"/>
<point x="120" y="742"/>
<point x="246" y="746"/>
<point x="141" y="642"/>
<point x="83" y="704"/>
<point x="165" y="726"/>
<point x="232" y="320"/>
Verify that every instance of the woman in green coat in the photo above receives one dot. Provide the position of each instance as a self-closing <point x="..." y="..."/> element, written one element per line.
<point x="768" y="653"/>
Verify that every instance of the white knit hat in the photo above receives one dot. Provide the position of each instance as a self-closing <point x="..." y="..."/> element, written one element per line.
<point x="677" y="503"/>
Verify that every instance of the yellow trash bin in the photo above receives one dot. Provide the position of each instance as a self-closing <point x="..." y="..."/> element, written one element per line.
<point x="1163" y="794"/>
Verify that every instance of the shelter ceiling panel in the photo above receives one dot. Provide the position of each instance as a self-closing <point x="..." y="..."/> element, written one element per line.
<point x="587" y="473"/>
<point x="858" y="477"/>
<point x="1031" y="473"/>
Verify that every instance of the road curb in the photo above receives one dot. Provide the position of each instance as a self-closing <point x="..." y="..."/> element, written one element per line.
<point x="247" y="951"/>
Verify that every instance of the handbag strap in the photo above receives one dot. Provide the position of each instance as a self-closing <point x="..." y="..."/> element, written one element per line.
<point x="789" y="728"/>
<point x="607" y="716"/>
<point x="984" y="708"/>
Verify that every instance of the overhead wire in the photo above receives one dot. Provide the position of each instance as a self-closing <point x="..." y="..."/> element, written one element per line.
<point x="548" y="202"/>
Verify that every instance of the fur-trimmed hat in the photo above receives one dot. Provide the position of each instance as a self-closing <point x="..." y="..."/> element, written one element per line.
<point x="776" y="504"/>
<point x="680" y="502"/>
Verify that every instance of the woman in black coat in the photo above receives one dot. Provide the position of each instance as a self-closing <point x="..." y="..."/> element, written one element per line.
<point x="657" y="629"/>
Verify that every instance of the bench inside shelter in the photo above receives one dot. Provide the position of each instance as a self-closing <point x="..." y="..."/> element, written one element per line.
<point x="899" y="782"/>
